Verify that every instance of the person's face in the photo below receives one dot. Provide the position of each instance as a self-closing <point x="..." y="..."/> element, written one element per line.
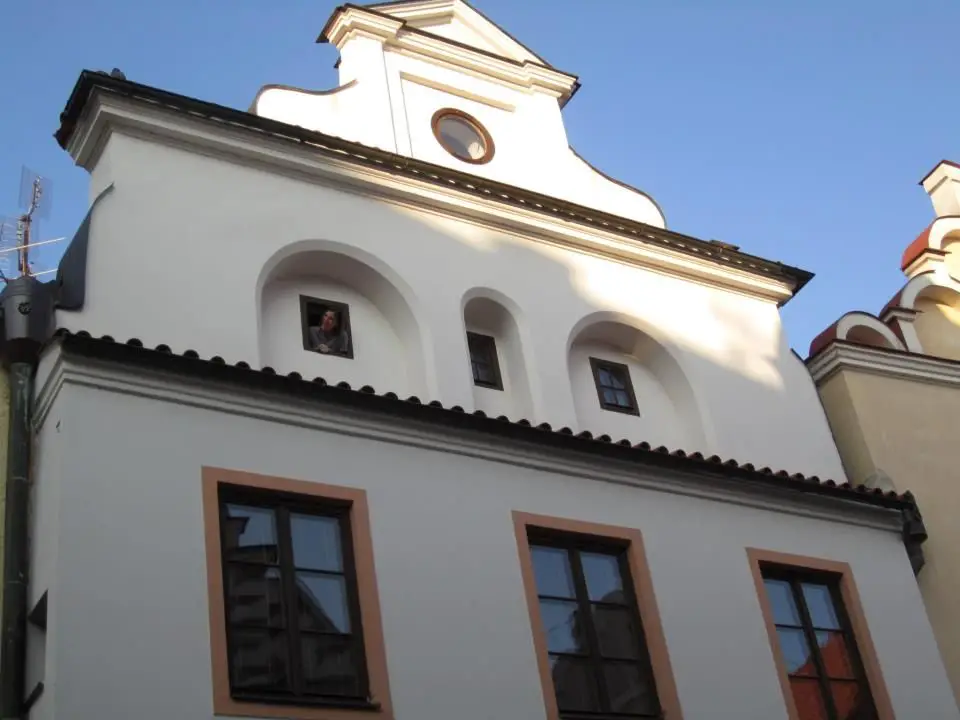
<point x="329" y="322"/>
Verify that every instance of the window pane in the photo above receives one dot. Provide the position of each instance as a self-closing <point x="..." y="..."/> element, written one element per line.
<point x="617" y="380"/>
<point x="551" y="567"/>
<point x="250" y="534"/>
<point x="322" y="601"/>
<point x="316" y="542"/>
<point x="623" y="400"/>
<point x="820" y="605"/>
<point x="329" y="666"/>
<point x="628" y="689"/>
<point x="610" y="397"/>
<point x="574" y="684"/>
<point x="796" y="652"/>
<point x="782" y="603"/>
<point x="833" y="650"/>
<point x="851" y="701"/>
<point x="602" y="573"/>
<point x="258" y="659"/>
<point x="483" y="373"/>
<point x="808" y="699"/>
<point x="564" y="633"/>
<point x="254" y="595"/>
<point x="604" y="376"/>
<point x="616" y="632"/>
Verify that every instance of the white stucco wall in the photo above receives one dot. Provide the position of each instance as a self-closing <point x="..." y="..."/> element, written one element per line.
<point x="186" y="249"/>
<point x="396" y="95"/>
<point x="130" y="577"/>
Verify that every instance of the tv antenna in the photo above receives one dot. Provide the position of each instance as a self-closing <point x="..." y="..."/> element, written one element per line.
<point x="18" y="253"/>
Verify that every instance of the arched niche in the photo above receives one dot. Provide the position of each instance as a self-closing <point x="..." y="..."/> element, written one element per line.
<point x="668" y="410"/>
<point x="866" y="329"/>
<point x="937" y="323"/>
<point x="386" y="339"/>
<point x="491" y="314"/>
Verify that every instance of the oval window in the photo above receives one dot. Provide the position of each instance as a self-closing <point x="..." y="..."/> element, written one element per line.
<point x="463" y="136"/>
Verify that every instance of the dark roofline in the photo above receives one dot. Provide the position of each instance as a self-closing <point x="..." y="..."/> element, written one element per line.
<point x="479" y="12"/>
<point x="951" y="163"/>
<point x="340" y="149"/>
<point x="324" y="32"/>
<point x="372" y="9"/>
<point x="189" y="363"/>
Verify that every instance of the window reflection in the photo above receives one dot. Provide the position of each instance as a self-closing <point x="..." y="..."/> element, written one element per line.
<point x="594" y="640"/>
<point x="291" y="627"/>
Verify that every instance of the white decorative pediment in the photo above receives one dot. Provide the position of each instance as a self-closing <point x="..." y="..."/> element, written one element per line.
<point x="456" y="20"/>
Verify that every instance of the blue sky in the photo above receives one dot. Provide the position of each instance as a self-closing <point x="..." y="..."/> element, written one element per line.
<point x="797" y="130"/>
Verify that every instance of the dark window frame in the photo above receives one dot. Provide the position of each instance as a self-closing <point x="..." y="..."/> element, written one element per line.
<point x="574" y="544"/>
<point x="283" y="504"/>
<point x="344" y="311"/>
<point x="795" y="577"/>
<point x="596" y="365"/>
<point x="486" y="344"/>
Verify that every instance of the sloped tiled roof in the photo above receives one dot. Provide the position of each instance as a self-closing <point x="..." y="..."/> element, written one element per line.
<point x="189" y="362"/>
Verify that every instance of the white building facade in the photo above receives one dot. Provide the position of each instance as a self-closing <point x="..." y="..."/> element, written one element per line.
<point x="446" y="522"/>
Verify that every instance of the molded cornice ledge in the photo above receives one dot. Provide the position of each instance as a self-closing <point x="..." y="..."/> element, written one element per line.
<point x="286" y="150"/>
<point x="841" y="355"/>
<point x="60" y="370"/>
<point x="350" y="21"/>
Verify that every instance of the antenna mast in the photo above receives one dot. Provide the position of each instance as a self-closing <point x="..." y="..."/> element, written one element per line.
<point x="16" y="234"/>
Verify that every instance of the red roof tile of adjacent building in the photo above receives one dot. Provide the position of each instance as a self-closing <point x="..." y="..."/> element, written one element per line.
<point x="916" y="248"/>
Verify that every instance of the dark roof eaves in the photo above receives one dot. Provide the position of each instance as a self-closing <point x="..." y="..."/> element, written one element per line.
<point x="392" y="162"/>
<point x="365" y="398"/>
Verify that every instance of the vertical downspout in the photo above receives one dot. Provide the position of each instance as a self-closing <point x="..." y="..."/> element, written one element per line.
<point x="26" y="305"/>
<point x="15" y="548"/>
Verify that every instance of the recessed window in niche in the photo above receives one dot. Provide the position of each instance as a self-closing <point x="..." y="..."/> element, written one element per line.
<point x="483" y="360"/>
<point x="326" y="327"/>
<point x="614" y="387"/>
<point x="462" y="136"/>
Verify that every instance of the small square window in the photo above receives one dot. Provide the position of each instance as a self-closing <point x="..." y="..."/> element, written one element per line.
<point x="326" y="327"/>
<point x="614" y="388"/>
<point x="483" y="360"/>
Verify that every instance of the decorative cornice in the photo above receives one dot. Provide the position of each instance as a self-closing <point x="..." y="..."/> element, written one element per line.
<point x="109" y="105"/>
<point x="840" y="355"/>
<point x="65" y="369"/>
<point x="398" y="35"/>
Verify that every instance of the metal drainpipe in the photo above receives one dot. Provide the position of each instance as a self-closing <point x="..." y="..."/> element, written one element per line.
<point x="13" y="650"/>
<point x="27" y="311"/>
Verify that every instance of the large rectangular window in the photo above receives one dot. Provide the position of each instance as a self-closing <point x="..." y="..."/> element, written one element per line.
<point x="820" y="640"/>
<point x="294" y="629"/>
<point x="594" y="632"/>
<point x="294" y="618"/>
<point x="826" y="676"/>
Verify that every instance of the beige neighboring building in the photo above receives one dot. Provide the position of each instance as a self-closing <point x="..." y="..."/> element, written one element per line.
<point x="890" y="384"/>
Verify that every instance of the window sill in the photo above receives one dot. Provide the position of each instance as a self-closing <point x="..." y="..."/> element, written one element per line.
<point x="622" y="411"/>
<point x="296" y="707"/>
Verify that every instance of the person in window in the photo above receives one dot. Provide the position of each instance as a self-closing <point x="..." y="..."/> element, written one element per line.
<point x="328" y="337"/>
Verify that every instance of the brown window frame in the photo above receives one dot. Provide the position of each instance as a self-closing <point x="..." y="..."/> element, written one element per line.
<point x="489" y="147"/>
<point x="596" y="365"/>
<point x="350" y="507"/>
<point x="838" y="577"/>
<point x="538" y="530"/>
<point x="344" y="311"/>
<point x="487" y="345"/>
